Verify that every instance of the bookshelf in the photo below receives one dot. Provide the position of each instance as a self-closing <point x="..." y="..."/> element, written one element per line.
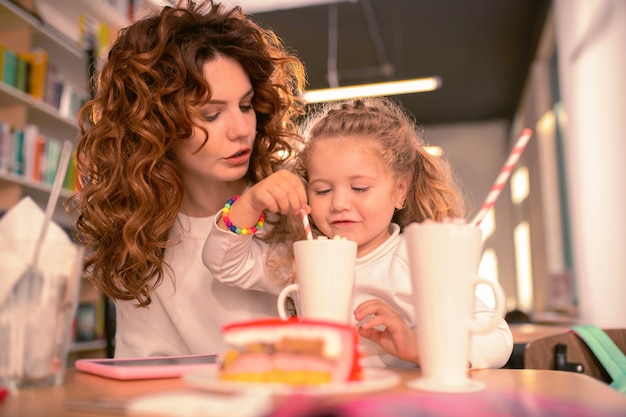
<point x="27" y="106"/>
<point x="49" y="38"/>
<point x="57" y="42"/>
<point x="54" y="44"/>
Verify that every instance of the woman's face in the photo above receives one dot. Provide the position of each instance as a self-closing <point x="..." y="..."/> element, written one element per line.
<point x="230" y="121"/>
<point x="351" y="192"/>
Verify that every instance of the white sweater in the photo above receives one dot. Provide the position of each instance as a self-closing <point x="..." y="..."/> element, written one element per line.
<point x="383" y="274"/>
<point x="186" y="318"/>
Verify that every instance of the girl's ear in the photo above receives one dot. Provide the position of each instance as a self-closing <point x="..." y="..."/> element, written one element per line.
<point x="402" y="189"/>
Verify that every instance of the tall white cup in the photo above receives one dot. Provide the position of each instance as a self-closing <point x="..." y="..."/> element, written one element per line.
<point x="325" y="280"/>
<point x="443" y="259"/>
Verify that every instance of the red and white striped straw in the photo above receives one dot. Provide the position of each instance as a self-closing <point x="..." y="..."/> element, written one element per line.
<point x="307" y="225"/>
<point x="504" y="175"/>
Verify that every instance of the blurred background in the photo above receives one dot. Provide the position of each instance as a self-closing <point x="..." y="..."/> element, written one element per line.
<point x="556" y="238"/>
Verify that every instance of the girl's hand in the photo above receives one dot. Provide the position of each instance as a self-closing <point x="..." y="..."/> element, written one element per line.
<point x="397" y="338"/>
<point x="282" y="192"/>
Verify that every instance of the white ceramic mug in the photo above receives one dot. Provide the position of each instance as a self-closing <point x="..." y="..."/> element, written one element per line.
<point x="325" y="280"/>
<point x="443" y="259"/>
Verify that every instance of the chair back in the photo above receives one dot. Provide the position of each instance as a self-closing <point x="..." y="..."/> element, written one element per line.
<point x="568" y="352"/>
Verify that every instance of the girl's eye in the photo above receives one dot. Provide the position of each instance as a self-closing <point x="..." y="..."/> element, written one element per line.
<point x="360" y="189"/>
<point x="322" y="192"/>
<point x="246" y="108"/>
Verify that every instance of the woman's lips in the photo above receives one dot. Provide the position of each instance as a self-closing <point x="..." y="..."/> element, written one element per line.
<point x="239" y="158"/>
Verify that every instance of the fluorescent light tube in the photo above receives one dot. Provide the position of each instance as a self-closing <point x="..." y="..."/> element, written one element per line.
<point x="417" y="85"/>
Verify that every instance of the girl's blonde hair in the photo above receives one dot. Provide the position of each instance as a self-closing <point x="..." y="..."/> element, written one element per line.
<point x="433" y="192"/>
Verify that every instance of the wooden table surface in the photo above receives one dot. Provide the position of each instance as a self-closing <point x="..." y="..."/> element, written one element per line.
<point x="527" y="332"/>
<point x="526" y="391"/>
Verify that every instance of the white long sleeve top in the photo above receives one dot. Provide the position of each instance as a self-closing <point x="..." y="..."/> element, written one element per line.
<point x="383" y="274"/>
<point x="186" y="318"/>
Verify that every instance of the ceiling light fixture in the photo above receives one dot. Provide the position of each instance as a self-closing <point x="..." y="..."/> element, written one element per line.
<point x="416" y="85"/>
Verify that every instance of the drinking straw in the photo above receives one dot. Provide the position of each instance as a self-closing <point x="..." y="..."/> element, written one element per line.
<point x="307" y="225"/>
<point x="33" y="273"/>
<point x="504" y="175"/>
<point x="59" y="176"/>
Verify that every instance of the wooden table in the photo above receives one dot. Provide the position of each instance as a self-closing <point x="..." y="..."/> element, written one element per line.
<point x="530" y="386"/>
<point x="524" y="333"/>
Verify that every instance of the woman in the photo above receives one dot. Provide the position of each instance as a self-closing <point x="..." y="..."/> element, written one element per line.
<point x="192" y="106"/>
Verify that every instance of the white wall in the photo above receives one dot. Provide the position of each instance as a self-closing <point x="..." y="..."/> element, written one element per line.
<point x="591" y="39"/>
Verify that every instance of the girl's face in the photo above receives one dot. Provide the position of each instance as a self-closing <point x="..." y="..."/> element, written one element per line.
<point x="351" y="193"/>
<point x="231" y="123"/>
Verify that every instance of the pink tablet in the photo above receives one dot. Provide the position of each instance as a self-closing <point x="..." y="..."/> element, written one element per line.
<point x="147" y="368"/>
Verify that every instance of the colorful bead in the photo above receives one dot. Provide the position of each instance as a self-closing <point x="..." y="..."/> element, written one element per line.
<point x="240" y="230"/>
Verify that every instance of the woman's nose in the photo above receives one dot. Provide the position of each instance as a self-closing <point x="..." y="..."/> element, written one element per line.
<point x="242" y="125"/>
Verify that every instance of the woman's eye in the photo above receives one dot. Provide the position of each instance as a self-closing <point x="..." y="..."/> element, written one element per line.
<point x="211" y="117"/>
<point x="246" y="108"/>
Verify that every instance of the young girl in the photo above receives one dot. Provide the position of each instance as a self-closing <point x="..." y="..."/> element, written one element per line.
<point x="192" y="105"/>
<point x="368" y="176"/>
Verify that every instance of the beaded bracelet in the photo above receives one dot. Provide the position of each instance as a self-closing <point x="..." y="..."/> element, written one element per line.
<point x="240" y="230"/>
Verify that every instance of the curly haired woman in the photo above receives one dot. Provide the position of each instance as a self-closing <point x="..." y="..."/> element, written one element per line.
<point x="192" y="106"/>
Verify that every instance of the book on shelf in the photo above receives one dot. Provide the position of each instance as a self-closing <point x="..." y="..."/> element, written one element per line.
<point x="32" y="73"/>
<point x="53" y="153"/>
<point x="61" y="94"/>
<point x="22" y="73"/>
<point x="17" y="154"/>
<point x="8" y="67"/>
<point x="85" y="323"/>
<point x="33" y="156"/>
<point x="71" y="100"/>
<point x="69" y="182"/>
<point x="53" y="86"/>
<point x="37" y="60"/>
<point x="5" y="148"/>
<point x="31" y="132"/>
<point x="39" y="157"/>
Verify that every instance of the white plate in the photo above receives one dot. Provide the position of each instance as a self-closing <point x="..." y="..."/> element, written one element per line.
<point x="373" y="379"/>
